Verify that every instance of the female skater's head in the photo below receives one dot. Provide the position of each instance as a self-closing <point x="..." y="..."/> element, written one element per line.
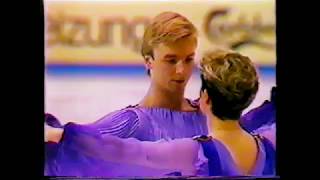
<point x="168" y="47"/>
<point x="229" y="84"/>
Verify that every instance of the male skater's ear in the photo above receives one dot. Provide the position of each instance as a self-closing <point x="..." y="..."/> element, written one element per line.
<point x="148" y="63"/>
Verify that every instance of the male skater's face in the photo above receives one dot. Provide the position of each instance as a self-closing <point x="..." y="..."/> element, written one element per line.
<point x="173" y="63"/>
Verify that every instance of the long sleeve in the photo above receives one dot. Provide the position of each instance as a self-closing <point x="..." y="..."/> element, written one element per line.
<point x="83" y="151"/>
<point x="269" y="132"/>
<point x="152" y="158"/>
<point x="258" y="117"/>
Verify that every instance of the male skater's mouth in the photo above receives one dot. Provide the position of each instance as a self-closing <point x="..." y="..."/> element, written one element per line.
<point x="179" y="81"/>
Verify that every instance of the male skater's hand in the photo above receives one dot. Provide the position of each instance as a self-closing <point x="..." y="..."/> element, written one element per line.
<point x="52" y="134"/>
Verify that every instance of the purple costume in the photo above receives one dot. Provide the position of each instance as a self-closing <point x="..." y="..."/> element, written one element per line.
<point x="152" y="124"/>
<point x="264" y="115"/>
<point x="98" y="150"/>
<point x="262" y="120"/>
<point x="84" y="152"/>
<point x="146" y="124"/>
<point x="221" y="163"/>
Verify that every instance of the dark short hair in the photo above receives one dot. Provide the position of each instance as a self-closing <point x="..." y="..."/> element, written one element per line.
<point x="231" y="81"/>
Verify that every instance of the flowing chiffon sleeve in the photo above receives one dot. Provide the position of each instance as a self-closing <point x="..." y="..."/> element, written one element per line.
<point x="83" y="151"/>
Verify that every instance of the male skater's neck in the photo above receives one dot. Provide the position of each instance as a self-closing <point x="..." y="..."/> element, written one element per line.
<point x="164" y="99"/>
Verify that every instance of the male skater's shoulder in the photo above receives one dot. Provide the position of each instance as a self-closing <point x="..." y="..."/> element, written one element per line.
<point x="122" y="123"/>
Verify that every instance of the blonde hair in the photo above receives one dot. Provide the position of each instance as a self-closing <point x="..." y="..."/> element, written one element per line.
<point x="166" y="27"/>
<point x="231" y="81"/>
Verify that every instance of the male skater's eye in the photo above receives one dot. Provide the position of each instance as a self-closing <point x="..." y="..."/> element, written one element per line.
<point x="172" y="61"/>
<point x="189" y="60"/>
